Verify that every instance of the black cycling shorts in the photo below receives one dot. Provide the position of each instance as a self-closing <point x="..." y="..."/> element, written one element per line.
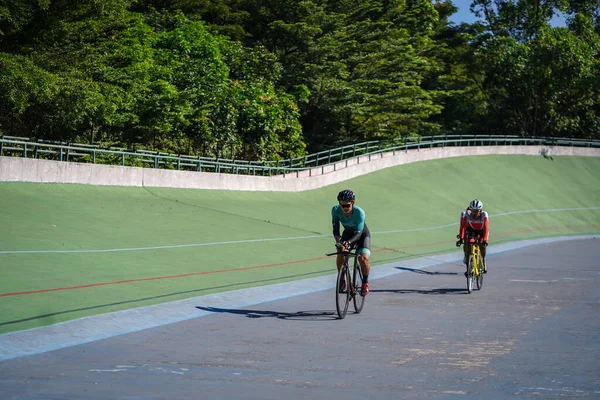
<point x="363" y="245"/>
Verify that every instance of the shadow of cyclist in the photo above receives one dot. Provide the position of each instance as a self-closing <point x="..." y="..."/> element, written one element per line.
<point x="298" y="316"/>
<point x="422" y="271"/>
<point x="422" y="291"/>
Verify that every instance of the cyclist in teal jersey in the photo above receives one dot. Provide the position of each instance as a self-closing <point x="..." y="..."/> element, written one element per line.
<point x="355" y="235"/>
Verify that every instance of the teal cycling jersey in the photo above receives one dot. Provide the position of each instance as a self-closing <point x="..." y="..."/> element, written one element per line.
<point x="356" y="221"/>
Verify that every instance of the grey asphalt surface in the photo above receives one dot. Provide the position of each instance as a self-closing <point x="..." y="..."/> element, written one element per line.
<point x="532" y="332"/>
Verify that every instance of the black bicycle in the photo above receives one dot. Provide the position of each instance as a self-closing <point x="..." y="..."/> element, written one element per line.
<point x="348" y="287"/>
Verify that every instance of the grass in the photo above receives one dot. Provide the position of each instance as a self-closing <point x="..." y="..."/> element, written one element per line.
<point x="184" y="242"/>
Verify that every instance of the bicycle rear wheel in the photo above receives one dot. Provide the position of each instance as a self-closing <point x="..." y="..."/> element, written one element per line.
<point x="342" y="291"/>
<point x="480" y="271"/>
<point x="359" y="300"/>
<point x="470" y="275"/>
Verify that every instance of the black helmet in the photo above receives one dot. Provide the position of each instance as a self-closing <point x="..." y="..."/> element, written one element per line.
<point x="346" y="195"/>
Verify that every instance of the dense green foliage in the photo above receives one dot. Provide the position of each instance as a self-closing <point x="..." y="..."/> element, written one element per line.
<point x="271" y="79"/>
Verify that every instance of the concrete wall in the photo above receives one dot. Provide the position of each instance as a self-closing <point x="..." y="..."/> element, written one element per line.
<point x="14" y="169"/>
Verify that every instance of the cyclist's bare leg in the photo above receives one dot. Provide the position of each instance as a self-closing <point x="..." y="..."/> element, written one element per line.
<point x="483" y="252"/>
<point x="363" y="260"/>
<point x="339" y="261"/>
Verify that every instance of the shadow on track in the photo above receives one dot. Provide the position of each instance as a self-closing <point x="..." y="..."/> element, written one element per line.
<point x="422" y="291"/>
<point x="422" y="271"/>
<point x="296" y="316"/>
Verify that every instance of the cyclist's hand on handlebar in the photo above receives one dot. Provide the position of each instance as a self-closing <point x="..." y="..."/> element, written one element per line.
<point x="344" y="246"/>
<point x="484" y="242"/>
<point x="459" y="242"/>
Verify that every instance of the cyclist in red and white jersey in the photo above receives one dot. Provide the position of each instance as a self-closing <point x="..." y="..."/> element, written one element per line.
<point x="475" y="221"/>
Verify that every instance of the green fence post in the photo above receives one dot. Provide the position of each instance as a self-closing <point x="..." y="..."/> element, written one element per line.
<point x="25" y="151"/>
<point x="123" y="159"/>
<point x="93" y="156"/>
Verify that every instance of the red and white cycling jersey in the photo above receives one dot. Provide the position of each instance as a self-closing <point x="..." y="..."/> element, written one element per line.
<point x="477" y="224"/>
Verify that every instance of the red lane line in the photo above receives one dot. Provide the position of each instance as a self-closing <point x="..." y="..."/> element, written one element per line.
<point x="158" y="278"/>
<point x="272" y="265"/>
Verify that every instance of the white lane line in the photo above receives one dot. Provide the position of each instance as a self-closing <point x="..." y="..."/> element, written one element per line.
<point x="179" y="246"/>
<point x="566" y="390"/>
<point x="545" y="211"/>
<point x="106" y="370"/>
<point x="176" y="246"/>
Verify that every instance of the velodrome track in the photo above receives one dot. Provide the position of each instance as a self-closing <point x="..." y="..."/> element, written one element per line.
<point x="73" y="251"/>
<point x="532" y="333"/>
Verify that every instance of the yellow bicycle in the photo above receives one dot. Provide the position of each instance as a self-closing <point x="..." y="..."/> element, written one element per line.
<point x="475" y="266"/>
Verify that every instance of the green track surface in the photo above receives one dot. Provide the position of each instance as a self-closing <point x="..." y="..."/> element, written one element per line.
<point x="229" y="231"/>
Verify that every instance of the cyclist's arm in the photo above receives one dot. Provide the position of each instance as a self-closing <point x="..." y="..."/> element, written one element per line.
<point x="336" y="231"/>
<point x="486" y="230"/>
<point x="463" y="225"/>
<point x="354" y="238"/>
<point x="336" y="225"/>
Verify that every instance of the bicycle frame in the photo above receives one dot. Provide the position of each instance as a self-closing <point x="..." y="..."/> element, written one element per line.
<point x="474" y="264"/>
<point x="475" y="252"/>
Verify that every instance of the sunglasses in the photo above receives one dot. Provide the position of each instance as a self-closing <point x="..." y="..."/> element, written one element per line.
<point x="346" y="205"/>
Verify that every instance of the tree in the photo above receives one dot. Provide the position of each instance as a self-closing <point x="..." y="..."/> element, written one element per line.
<point x="540" y="80"/>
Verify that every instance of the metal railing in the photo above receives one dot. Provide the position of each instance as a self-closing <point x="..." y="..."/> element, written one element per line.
<point x="49" y="150"/>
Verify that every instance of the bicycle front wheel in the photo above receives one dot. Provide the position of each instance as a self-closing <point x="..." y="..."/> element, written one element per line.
<point x="470" y="274"/>
<point x="359" y="300"/>
<point x="342" y="291"/>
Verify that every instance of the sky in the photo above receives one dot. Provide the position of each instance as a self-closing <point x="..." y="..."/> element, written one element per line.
<point x="464" y="14"/>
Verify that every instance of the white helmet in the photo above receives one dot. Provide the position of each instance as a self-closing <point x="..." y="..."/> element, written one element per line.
<point x="476" y="205"/>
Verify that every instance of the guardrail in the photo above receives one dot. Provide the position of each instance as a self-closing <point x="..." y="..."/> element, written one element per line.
<point x="26" y="147"/>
